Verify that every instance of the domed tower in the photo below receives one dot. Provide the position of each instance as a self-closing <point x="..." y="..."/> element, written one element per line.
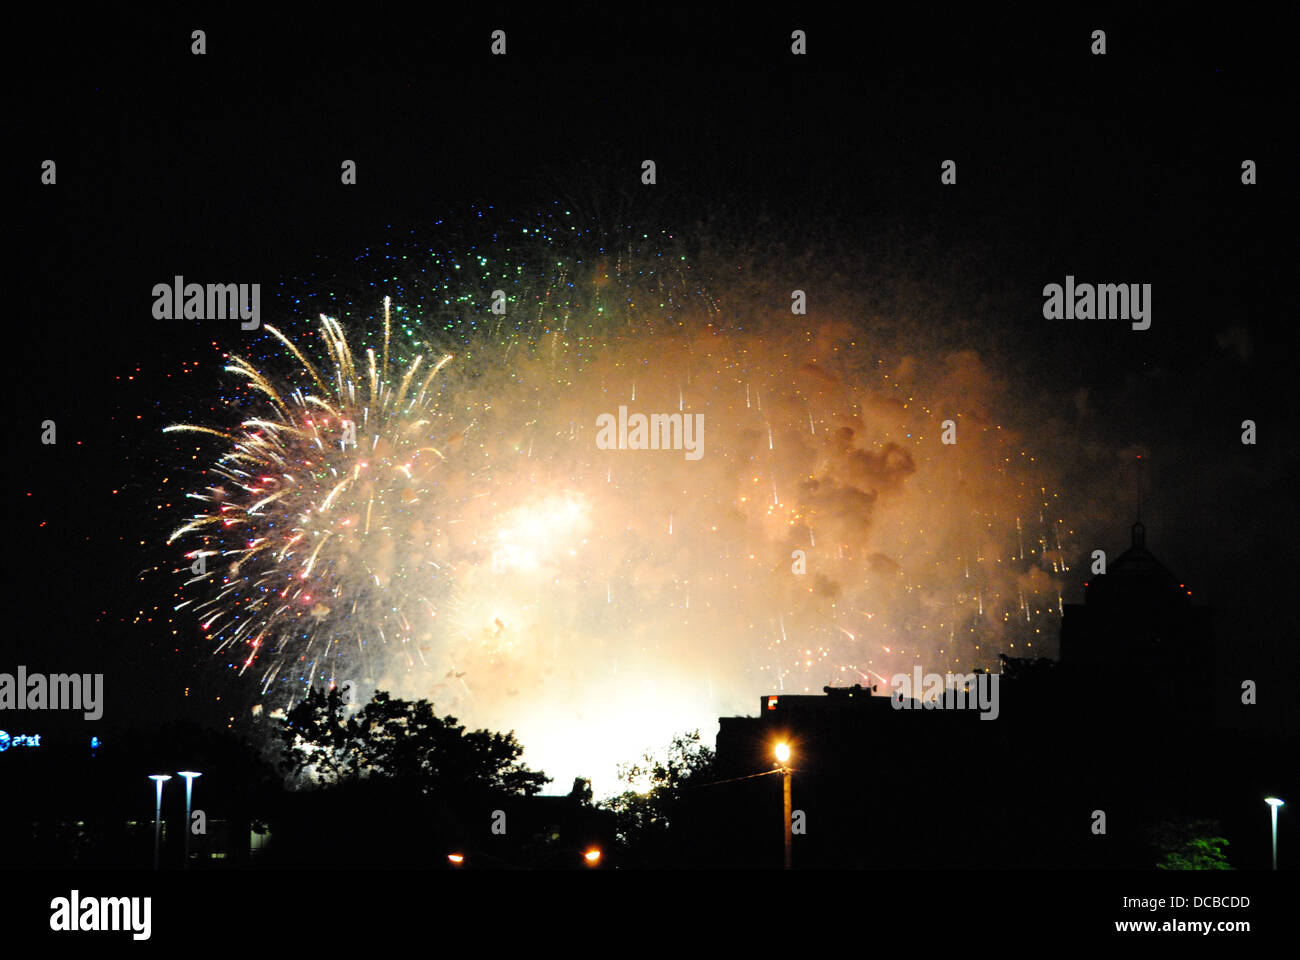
<point x="1137" y="578"/>
<point x="1137" y="628"/>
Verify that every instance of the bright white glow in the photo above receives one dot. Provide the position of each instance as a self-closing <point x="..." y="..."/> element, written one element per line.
<point x="533" y="534"/>
<point x="566" y="741"/>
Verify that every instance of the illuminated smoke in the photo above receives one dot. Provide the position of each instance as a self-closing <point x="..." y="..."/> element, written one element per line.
<point x="596" y="601"/>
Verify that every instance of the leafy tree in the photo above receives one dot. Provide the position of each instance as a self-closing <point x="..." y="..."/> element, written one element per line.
<point x="400" y="741"/>
<point x="581" y="792"/>
<point x="1189" y="845"/>
<point x="387" y="784"/>
<point x="316" y="745"/>
<point x="644" y="817"/>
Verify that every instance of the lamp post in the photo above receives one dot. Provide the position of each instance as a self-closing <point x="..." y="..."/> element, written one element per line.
<point x="159" y="779"/>
<point x="1274" y="803"/>
<point x="783" y="758"/>
<point x="189" y="776"/>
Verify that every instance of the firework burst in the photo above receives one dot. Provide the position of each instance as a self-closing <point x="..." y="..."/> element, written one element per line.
<point x="474" y="544"/>
<point x="321" y="522"/>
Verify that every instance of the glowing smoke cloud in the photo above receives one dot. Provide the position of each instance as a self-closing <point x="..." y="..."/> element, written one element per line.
<point x="477" y="548"/>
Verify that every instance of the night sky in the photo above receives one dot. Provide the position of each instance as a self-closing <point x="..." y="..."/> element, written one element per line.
<point x="1117" y="168"/>
<point x="1123" y="168"/>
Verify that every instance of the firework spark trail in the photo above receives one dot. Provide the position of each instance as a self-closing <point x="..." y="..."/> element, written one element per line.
<point x="297" y="555"/>
<point x="477" y="548"/>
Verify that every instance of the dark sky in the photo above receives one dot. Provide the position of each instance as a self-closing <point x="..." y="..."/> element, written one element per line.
<point x="1117" y="168"/>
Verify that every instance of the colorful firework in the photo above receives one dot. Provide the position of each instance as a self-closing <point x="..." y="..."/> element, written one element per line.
<point x="476" y="546"/>
<point x="319" y="533"/>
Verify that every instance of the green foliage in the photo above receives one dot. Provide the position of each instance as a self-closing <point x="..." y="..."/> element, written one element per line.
<point x="1189" y="845"/>
<point x="399" y="741"/>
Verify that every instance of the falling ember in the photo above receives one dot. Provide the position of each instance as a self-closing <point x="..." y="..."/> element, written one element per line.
<point x="309" y="549"/>
<point x="428" y="512"/>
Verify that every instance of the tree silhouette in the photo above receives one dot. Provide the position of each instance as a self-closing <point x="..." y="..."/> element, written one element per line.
<point x="651" y="821"/>
<point x="390" y="783"/>
<point x="401" y="741"/>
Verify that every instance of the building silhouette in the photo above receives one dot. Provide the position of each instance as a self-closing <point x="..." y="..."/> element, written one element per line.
<point x="1118" y="726"/>
<point x="1138" y="634"/>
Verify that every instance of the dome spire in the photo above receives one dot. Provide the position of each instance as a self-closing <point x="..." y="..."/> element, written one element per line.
<point x="1139" y="487"/>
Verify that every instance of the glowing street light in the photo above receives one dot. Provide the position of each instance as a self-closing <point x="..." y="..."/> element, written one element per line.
<point x="1274" y="803"/>
<point x="456" y="859"/>
<point x="159" y="779"/>
<point x="592" y="856"/>
<point x="189" y="776"/>
<point x="783" y="759"/>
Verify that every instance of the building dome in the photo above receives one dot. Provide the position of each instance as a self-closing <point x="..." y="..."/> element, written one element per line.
<point x="1136" y="576"/>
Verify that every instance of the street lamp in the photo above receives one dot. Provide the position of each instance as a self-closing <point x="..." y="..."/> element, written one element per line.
<point x="783" y="758"/>
<point x="159" y="779"/>
<point x="592" y="856"/>
<point x="1274" y="803"/>
<point x="189" y="776"/>
<point x="455" y="859"/>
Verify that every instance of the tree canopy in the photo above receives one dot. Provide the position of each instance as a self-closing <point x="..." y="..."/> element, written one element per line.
<point x="1189" y="844"/>
<point x="325" y="741"/>
<point x="661" y="796"/>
